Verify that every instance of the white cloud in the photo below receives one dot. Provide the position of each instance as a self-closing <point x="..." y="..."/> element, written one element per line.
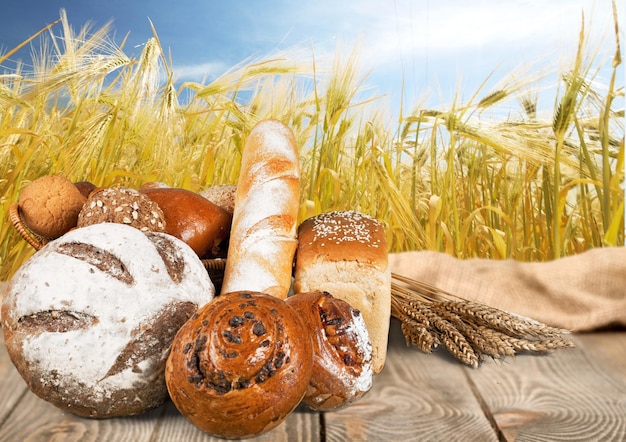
<point x="200" y="72"/>
<point x="406" y="27"/>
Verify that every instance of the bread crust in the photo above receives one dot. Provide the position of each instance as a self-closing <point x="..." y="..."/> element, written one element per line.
<point x="50" y="205"/>
<point x="345" y="253"/>
<point x="263" y="234"/>
<point x="89" y="326"/>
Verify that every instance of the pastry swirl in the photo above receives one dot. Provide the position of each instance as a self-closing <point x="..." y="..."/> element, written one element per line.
<point x="240" y="365"/>
<point x="342" y="351"/>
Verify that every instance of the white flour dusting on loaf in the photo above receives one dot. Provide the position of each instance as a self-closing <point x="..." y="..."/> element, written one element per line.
<point x="356" y="328"/>
<point x="119" y="295"/>
<point x="263" y="233"/>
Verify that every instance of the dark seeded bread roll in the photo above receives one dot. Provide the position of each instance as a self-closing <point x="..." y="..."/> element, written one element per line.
<point x="345" y="253"/>
<point x="88" y="321"/>
<point x="122" y="205"/>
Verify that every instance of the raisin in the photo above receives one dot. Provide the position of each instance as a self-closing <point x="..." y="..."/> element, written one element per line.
<point x="235" y="321"/>
<point x="258" y="329"/>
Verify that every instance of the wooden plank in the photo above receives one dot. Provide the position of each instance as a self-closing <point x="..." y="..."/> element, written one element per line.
<point x="608" y="351"/>
<point x="24" y="416"/>
<point x="569" y="395"/>
<point x="12" y="386"/>
<point x="36" y="420"/>
<point x="416" y="397"/>
<point x="299" y="426"/>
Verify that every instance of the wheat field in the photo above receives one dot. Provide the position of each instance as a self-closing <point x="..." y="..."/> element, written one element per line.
<point x="487" y="177"/>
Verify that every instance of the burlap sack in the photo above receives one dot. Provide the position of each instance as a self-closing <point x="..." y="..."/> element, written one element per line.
<point x="579" y="293"/>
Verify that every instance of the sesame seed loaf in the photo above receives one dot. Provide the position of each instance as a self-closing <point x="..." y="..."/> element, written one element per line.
<point x="345" y="253"/>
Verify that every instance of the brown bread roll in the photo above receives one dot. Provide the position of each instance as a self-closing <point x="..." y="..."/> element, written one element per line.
<point x="345" y="253"/>
<point x="263" y="235"/>
<point x="89" y="319"/>
<point x="240" y="365"/>
<point x="193" y="219"/>
<point x="85" y="188"/>
<point x="342" y="351"/>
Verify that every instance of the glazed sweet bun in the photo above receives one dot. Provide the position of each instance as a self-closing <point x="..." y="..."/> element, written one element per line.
<point x="193" y="219"/>
<point x="345" y="253"/>
<point x="89" y="319"/>
<point x="342" y="351"/>
<point x="85" y="188"/>
<point x="49" y="206"/>
<point x="240" y="365"/>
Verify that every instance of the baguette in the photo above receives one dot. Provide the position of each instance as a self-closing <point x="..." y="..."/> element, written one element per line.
<point x="264" y="229"/>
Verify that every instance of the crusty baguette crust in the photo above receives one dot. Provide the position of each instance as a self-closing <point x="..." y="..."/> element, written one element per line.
<point x="263" y="234"/>
<point x="345" y="254"/>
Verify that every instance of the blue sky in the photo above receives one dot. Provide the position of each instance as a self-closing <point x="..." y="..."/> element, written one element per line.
<point x="437" y="47"/>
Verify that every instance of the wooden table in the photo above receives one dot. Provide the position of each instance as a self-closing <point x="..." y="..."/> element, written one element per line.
<point x="573" y="394"/>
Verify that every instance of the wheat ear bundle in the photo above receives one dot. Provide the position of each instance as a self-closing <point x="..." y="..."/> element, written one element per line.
<point x="469" y="330"/>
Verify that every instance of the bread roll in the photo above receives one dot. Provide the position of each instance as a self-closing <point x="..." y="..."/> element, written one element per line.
<point x="122" y="205"/>
<point x="49" y="206"/>
<point x="342" y="351"/>
<point x="85" y="188"/>
<point x="345" y="253"/>
<point x="89" y="319"/>
<point x="223" y="195"/>
<point x="263" y="234"/>
<point x="240" y="365"/>
<point x="193" y="219"/>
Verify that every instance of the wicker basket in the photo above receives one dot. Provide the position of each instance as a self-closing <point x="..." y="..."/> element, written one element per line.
<point x="36" y="241"/>
<point x="215" y="268"/>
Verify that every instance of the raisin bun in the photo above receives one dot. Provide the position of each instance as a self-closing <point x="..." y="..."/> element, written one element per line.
<point x="342" y="352"/>
<point x="345" y="253"/>
<point x="89" y="319"/>
<point x="240" y="365"/>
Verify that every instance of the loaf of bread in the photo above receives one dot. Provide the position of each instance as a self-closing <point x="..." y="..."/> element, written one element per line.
<point x="342" y="351"/>
<point x="89" y="319"/>
<point x="263" y="233"/>
<point x="240" y="365"/>
<point x="193" y="219"/>
<point x="345" y="253"/>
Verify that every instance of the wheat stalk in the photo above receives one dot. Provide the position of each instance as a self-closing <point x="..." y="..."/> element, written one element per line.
<point x="472" y="178"/>
<point x="469" y="330"/>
